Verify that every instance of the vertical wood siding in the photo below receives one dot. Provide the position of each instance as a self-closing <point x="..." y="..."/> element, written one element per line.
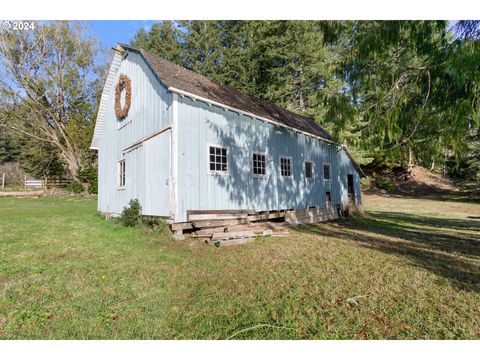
<point x="345" y="168"/>
<point x="146" y="167"/>
<point x="148" y="164"/>
<point x="201" y="124"/>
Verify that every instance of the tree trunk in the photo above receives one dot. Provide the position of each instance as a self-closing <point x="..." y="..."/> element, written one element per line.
<point x="73" y="165"/>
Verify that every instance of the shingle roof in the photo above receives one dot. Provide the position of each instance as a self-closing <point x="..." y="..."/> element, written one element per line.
<point x="188" y="81"/>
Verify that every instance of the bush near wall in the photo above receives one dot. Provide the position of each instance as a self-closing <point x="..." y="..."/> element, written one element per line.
<point x="132" y="214"/>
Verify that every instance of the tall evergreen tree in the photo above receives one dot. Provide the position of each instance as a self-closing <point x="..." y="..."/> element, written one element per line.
<point x="163" y="39"/>
<point x="408" y="94"/>
<point x="394" y="90"/>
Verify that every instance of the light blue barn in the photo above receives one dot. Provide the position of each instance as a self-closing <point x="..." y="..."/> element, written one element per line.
<point x="188" y="143"/>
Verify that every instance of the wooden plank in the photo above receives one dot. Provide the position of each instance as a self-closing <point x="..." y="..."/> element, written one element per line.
<point x="232" y="235"/>
<point x="245" y="227"/>
<point x="197" y="217"/>
<point x="317" y="218"/>
<point x="201" y="236"/>
<point x="181" y="226"/>
<point x="209" y="231"/>
<point x="266" y="216"/>
<point x="195" y="212"/>
<point x="312" y="213"/>
<point x="304" y="212"/>
<point x="218" y="223"/>
<point x="139" y="142"/>
<point x="312" y="219"/>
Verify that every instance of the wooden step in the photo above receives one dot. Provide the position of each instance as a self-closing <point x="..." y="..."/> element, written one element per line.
<point x="217" y="223"/>
<point x="267" y="215"/>
<point x="232" y="235"/>
<point x="195" y="215"/>
<point x="310" y="215"/>
<point x="311" y="219"/>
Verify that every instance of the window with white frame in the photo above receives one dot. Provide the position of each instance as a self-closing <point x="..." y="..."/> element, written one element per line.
<point x="218" y="159"/>
<point x="326" y="171"/>
<point x="259" y="164"/>
<point x="286" y="166"/>
<point x="309" y="170"/>
<point x="121" y="173"/>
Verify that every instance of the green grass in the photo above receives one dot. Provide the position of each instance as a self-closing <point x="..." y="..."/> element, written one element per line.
<point x="66" y="273"/>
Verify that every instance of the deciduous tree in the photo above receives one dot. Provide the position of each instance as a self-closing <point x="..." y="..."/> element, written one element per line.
<point x="48" y="85"/>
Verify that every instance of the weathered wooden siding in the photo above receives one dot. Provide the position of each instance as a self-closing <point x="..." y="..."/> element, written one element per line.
<point x="157" y="175"/>
<point x="345" y="167"/>
<point x="201" y="124"/>
<point x="147" y="165"/>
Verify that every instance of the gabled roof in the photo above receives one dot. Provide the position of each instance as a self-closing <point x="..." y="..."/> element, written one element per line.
<point x="177" y="77"/>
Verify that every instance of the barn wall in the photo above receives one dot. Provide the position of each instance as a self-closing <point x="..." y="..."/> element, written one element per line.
<point x="201" y="124"/>
<point x="346" y="167"/>
<point x="149" y="113"/>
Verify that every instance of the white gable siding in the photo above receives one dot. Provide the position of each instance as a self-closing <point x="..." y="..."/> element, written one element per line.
<point x="149" y="113"/>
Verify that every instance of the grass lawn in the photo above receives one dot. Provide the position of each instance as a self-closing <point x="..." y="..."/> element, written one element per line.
<point x="411" y="269"/>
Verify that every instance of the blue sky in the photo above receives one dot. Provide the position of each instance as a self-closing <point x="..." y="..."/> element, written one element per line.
<point x="110" y="32"/>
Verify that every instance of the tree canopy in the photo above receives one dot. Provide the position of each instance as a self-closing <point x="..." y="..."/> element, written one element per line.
<point x="391" y="90"/>
<point x="48" y="89"/>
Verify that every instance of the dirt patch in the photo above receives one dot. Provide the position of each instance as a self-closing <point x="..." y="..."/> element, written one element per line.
<point x="419" y="176"/>
<point x="414" y="180"/>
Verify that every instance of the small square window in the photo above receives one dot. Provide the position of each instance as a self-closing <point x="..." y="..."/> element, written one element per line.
<point x="258" y="164"/>
<point x="218" y="160"/>
<point x="326" y="171"/>
<point x="309" y="170"/>
<point x="285" y="166"/>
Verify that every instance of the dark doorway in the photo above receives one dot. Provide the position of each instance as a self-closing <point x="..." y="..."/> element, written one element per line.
<point x="328" y="199"/>
<point x="351" y="188"/>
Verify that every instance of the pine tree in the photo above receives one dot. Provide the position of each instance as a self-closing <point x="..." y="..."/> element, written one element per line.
<point x="163" y="40"/>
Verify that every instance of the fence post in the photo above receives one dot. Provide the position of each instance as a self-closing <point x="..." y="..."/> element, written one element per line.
<point x="25" y="181"/>
<point x="3" y="181"/>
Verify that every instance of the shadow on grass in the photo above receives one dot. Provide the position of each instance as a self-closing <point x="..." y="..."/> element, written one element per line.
<point x="447" y="247"/>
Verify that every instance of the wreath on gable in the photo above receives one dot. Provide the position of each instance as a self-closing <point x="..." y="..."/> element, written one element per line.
<point x="123" y="84"/>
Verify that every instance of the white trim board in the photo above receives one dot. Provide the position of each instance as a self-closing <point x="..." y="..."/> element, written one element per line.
<point x="102" y="108"/>
<point x="174" y="160"/>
